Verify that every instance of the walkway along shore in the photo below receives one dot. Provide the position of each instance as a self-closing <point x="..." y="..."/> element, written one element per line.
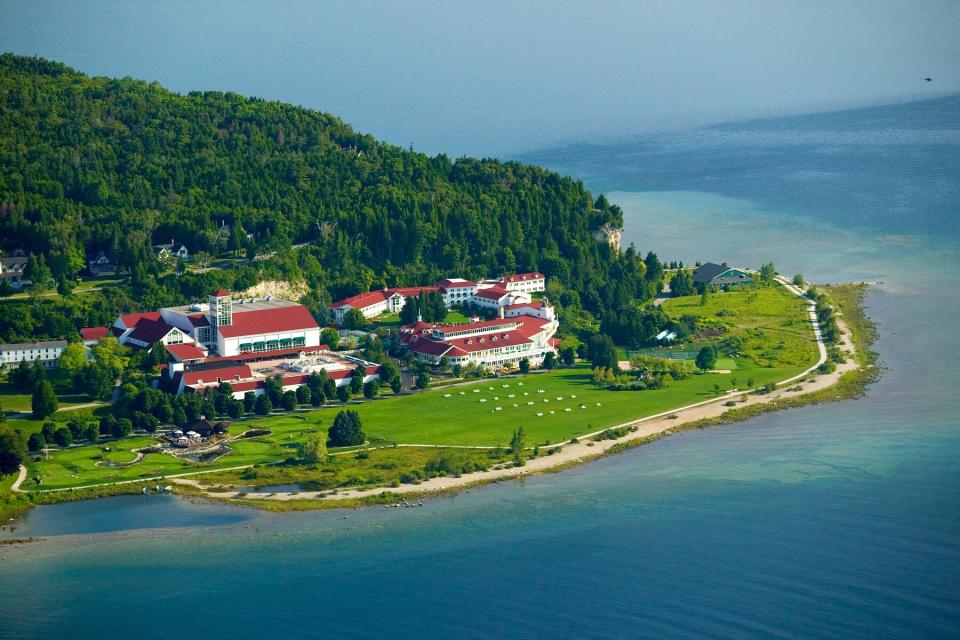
<point x="586" y="449"/>
<point x="569" y="454"/>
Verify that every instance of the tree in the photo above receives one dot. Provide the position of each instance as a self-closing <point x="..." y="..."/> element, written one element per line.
<point x="13" y="450"/>
<point x="122" y="428"/>
<point x="354" y="320"/>
<point x="356" y="380"/>
<point x="44" y="402"/>
<point x="63" y="437"/>
<point x="313" y="449"/>
<point x="682" y="283"/>
<point x="517" y="443"/>
<point x="371" y="389"/>
<point x="289" y="400"/>
<point x="568" y="355"/>
<point x="798" y="280"/>
<point x="525" y="365"/>
<point x="37" y="272"/>
<point x="36" y="442"/>
<point x="423" y="380"/>
<point x="409" y="311"/>
<point x="602" y="352"/>
<point x="343" y="394"/>
<point x="549" y="360"/>
<point x="330" y="337"/>
<point x="91" y="432"/>
<point x="396" y="385"/>
<point x="707" y="358"/>
<point x="263" y="405"/>
<point x="249" y="402"/>
<point x="109" y="353"/>
<point x="767" y="273"/>
<point x="97" y="380"/>
<point x="346" y="430"/>
<point x="705" y="296"/>
<point x="64" y="287"/>
<point x="304" y="394"/>
<point x="5" y="289"/>
<point x="235" y="409"/>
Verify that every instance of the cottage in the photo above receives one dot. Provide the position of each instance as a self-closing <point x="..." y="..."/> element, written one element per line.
<point x="11" y="270"/>
<point x="172" y="250"/>
<point x="101" y="265"/>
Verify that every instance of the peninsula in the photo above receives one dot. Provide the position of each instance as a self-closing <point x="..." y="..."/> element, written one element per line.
<point x="247" y="301"/>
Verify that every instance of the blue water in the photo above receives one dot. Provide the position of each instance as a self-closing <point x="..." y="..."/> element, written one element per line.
<point x="831" y="521"/>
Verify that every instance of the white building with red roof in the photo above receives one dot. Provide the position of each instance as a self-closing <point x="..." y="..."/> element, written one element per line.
<point x="526" y="282"/>
<point x="490" y="294"/>
<point x="502" y="342"/>
<point x="225" y="326"/>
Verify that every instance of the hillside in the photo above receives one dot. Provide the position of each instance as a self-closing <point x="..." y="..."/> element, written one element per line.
<point x="90" y="164"/>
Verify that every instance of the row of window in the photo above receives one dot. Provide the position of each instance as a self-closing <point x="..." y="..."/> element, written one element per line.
<point x="272" y="345"/>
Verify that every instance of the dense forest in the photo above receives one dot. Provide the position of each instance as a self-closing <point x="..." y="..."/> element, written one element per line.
<point x="92" y="164"/>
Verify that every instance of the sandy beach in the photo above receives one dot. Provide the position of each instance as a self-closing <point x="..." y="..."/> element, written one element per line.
<point x="585" y="449"/>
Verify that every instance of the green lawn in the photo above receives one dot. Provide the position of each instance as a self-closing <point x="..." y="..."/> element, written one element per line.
<point x="768" y="329"/>
<point x="13" y="399"/>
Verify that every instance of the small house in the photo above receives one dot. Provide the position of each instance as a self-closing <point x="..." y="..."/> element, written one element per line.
<point x="719" y="275"/>
<point x="101" y="265"/>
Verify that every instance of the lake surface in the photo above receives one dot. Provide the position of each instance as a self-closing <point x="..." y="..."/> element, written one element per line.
<point x="832" y="521"/>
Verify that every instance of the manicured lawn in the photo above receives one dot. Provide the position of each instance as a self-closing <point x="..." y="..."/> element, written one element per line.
<point x="13" y="399"/>
<point x="768" y="339"/>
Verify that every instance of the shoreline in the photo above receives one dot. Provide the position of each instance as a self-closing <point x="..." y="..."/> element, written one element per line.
<point x="845" y="382"/>
<point x="810" y="387"/>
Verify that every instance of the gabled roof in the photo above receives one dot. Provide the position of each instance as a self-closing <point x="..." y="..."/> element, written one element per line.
<point x="705" y="273"/>
<point x="93" y="333"/>
<point x="493" y="293"/>
<point x="150" y="331"/>
<point x="130" y="320"/>
<point x="295" y="317"/>
<point x="220" y="293"/>
<point x="185" y="351"/>
<point x="522" y="277"/>
<point x="362" y="300"/>
<point x="454" y="283"/>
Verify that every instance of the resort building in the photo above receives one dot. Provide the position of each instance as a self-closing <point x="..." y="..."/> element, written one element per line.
<point x="491" y="294"/>
<point x="502" y="342"/>
<point x="718" y="275"/>
<point x="46" y="353"/>
<point x="250" y="372"/>
<point x="525" y="282"/>
<point x="223" y="326"/>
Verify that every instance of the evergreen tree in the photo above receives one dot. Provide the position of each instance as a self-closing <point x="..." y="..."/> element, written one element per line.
<point x="13" y="450"/>
<point x="346" y="430"/>
<point x="44" y="402"/>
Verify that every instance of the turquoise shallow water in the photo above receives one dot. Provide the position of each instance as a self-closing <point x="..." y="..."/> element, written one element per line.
<point x="831" y="521"/>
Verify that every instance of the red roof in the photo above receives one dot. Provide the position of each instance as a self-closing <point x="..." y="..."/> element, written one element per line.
<point x="362" y="300"/>
<point x="447" y="283"/>
<point x="208" y="376"/>
<point x="93" y="333"/>
<point x="493" y="293"/>
<point x="150" y="331"/>
<point x="408" y="292"/>
<point x="130" y="320"/>
<point x="268" y="355"/>
<point x="251" y="323"/>
<point x="486" y="324"/>
<point x="521" y="277"/>
<point x="370" y="298"/>
<point x="186" y="352"/>
<point x="220" y="293"/>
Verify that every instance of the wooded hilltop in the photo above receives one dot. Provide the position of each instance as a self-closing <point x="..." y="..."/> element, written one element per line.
<point x="90" y="164"/>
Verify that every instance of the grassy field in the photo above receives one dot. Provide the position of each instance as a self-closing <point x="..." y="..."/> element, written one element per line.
<point x="767" y="339"/>
<point x="12" y="399"/>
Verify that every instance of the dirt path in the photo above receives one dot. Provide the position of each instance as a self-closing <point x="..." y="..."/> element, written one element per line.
<point x="21" y="476"/>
